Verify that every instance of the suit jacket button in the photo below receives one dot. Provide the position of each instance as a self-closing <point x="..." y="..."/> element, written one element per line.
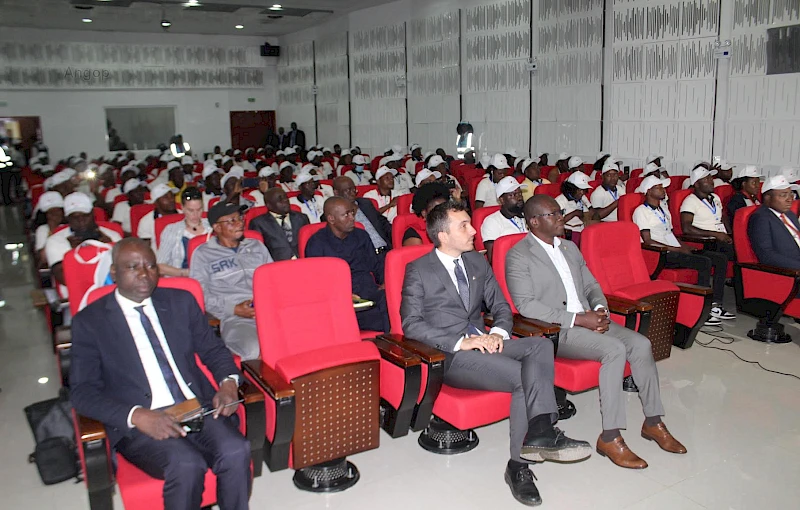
<point x="564" y="303"/>
<point x="147" y="395"/>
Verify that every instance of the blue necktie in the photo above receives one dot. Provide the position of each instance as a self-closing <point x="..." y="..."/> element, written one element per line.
<point x="163" y="364"/>
<point x="463" y="286"/>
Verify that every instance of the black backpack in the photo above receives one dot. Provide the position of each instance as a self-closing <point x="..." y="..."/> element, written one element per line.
<point x="56" y="456"/>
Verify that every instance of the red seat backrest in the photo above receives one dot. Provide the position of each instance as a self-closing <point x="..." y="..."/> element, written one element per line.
<point x="79" y="276"/>
<point x="253" y="213"/>
<point x="548" y="189"/>
<point x="477" y="220"/>
<point x="375" y="162"/>
<point x="198" y="240"/>
<point x="111" y="225"/>
<point x="632" y="184"/>
<point x="99" y="214"/>
<point x="563" y="177"/>
<point x="282" y="301"/>
<point x="401" y="224"/>
<point x="137" y="213"/>
<point x="604" y="245"/>
<point x="636" y="172"/>
<point x="120" y="198"/>
<point x="309" y="230"/>
<point x="213" y="202"/>
<point x="404" y="203"/>
<point x="741" y="240"/>
<point x="725" y="193"/>
<point x="366" y="188"/>
<point x="394" y="273"/>
<point x="161" y="223"/>
<point x="36" y="191"/>
<point x="627" y="204"/>
<point x="676" y="182"/>
<point x="472" y="188"/>
<point x="419" y="166"/>
<point x="175" y="282"/>
<point x="501" y="247"/>
<point x="676" y="199"/>
<point x="796" y="207"/>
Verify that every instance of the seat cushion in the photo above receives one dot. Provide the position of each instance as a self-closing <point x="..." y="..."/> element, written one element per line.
<point x="576" y="375"/>
<point x="679" y="275"/>
<point x="326" y="357"/>
<point x="639" y="291"/>
<point x="140" y="491"/>
<point x="466" y="409"/>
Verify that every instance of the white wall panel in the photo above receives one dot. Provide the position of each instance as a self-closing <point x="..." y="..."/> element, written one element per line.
<point x="333" y="89"/>
<point x="295" y="89"/>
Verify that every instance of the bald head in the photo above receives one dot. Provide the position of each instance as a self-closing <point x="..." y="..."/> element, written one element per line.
<point x="539" y="204"/>
<point x="544" y="218"/>
<point x="276" y="201"/>
<point x="344" y="187"/>
<point x="340" y="213"/>
<point x="334" y="203"/>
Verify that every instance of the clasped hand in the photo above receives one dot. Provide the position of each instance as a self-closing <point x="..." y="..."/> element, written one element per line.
<point x="485" y="343"/>
<point x="596" y="320"/>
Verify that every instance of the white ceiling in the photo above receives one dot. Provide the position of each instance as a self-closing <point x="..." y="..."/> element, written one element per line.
<point x="145" y="16"/>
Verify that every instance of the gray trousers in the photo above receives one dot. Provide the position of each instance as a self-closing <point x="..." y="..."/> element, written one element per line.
<point x="524" y="369"/>
<point x="240" y="337"/>
<point x="612" y="349"/>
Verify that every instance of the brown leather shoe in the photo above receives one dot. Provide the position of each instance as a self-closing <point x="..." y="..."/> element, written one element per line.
<point x="619" y="453"/>
<point x="663" y="438"/>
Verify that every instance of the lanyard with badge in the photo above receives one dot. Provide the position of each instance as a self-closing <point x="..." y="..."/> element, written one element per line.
<point x="614" y="194"/>
<point x="312" y="210"/>
<point x="713" y="209"/>
<point x="514" y="222"/>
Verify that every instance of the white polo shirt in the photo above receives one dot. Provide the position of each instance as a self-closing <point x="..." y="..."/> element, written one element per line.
<point x="122" y="215"/>
<point x="601" y="198"/>
<point x="383" y="201"/>
<point x="496" y="225"/>
<point x="576" y="223"/>
<point x="312" y="208"/>
<point x="658" y="222"/>
<point x="57" y="245"/>
<point x="706" y="216"/>
<point x="486" y="192"/>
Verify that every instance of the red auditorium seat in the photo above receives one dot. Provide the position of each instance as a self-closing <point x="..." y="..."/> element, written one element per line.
<point x="198" y="240"/>
<point x="253" y="213"/>
<point x="137" y="489"/>
<point x="472" y="188"/>
<point x="161" y="223"/>
<point x="548" y="189"/>
<point x="636" y="172"/>
<point x="404" y="203"/>
<point x="632" y="184"/>
<point x="676" y="182"/>
<point x="111" y="225"/>
<point x="213" y="202"/>
<point x="137" y="213"/>
<point x="725" y="193"/>
<point x="401" y="224"/>
<point x="99" y="214"/>
<point x="322" y="383"/>
<point x="120" y="198"/>
<point x="562" y="177"/>
<point x="765" y="292"/>
<point x="364" y="189"/>
<point x="477" y="220"/>
<point x="79" y="266"/>
<point x="796" y="207"/>
<point x="677" y="310"/>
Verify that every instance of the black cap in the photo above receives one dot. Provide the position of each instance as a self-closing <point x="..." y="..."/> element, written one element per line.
<point x="221" y="209"/>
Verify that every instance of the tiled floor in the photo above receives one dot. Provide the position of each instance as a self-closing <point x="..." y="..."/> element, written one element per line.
<point x="740" y="424"/>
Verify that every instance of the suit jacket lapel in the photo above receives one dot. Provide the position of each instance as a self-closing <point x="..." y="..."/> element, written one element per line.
<point x="124" y="343"/>
<point x="444" y="276"/>
<point x="544" y="258"/>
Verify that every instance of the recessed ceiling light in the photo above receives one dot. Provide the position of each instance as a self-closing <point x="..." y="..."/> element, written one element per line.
<point x="87" y="20"/>
<point x="239" y="27"/>
<point x="192" y="3"/>
<point x="43" y="380"/>
<point x="166" y="23"/>
<point x="276" y="7"/>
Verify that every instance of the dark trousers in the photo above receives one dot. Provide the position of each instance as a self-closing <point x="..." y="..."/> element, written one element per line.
<point x="377" y="317"/>
<point x="703" y="264"/>
<point x="9" y="186"/>
<point x="524" y="368"/>
<point x="182" y="464"/>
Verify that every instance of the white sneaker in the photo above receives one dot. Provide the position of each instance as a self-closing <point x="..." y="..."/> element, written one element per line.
<point x="720" y="313"/>
<point x="713" y="321"/>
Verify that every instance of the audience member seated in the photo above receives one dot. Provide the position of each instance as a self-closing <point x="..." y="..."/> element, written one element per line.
<point x="280" y="226"/>
<point x="224" y="266"/>
<point x="125" y="174"/>
<point x="360" y="175"/>
<point x="702" y="214"/>
<point x="232" y="188"/>
<point x="135" y="190"/>
<point x="425" y="176"/>
<point x="164" y="201"/>
<point x="508" y="220"/>
<point x="267" y="179"/>
<point x="747" y="185"/>
<point x="173" y="251"/>
<point x="403" y="181"/>
<point x="597" y="167"/>
<point x="309" y="204"/>
<point x="773" y="229"/>
<point x="605" y="198"/>
<point x="724" y="173"/>
<point x="655" y="226"/>
<point x="133" y="356"/>
<point x="78" y="209"/>
<point x="286" y="180"/>
<point x="177" y="180"/>
<point x="48" y="215"/>
<point x="64" y="182"/>
<point x="439" y="311"/>
<point x="385" y="195"/>
<point x="575" y="164"/>
<point x="533" y="178"/>
<point x="574" y="204"/>
<point x="548" y="280"/>
<point x="212" y="178"/>
<point x="341" y="239"/>
<point x="376" y="225"/>
<point x="486" y="195"/>
<point x="426" y="197"/>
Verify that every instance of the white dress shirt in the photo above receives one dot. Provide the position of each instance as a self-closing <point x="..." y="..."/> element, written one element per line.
<point x="449" y="264"/>
<point x="161" y="396"/>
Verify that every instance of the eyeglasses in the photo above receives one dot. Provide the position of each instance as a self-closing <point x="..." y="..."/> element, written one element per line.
<point x="233" y="221"/>
<point x="557" y="214"/>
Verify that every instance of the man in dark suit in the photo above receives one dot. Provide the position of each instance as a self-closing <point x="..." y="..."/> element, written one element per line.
<point x="297" y="137"/>
<point x="280" y="226"/>
<point x="272" y="140"/>
<point x="443" y="296"/>
<point x="133" y="354"/>
<point x="283" y="139"/>
<point x="375" y="223"/>
<point x="773" y="228"/>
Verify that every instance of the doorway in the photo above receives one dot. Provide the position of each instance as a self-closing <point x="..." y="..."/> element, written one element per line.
<point x="250" y="128"/>
<point x="21" y="132"/>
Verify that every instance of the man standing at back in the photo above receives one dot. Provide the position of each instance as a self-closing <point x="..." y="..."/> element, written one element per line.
<point x="443" y="295"/>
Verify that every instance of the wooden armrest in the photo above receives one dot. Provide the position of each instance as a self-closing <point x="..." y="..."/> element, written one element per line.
<point x="626" y="306"/>
<point x="697" y="290"/>
<point x="268" y="379"/>
<point x="212" y="321"/>
<point x="651" y="247"/>
<point x="782" y="271"/>
<point x="38" y="298"/>
<point x="249" y="393"/>
<point x="426" y="353"/>
<point x="547" y="328"/>
<point x="697" y="239"/>
<point x="90" y="430"/>
<point x="395" y="354"/>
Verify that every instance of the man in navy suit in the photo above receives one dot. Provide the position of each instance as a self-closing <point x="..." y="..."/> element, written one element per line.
<point x="133" y="354"/>
<point x="773" y="228"/>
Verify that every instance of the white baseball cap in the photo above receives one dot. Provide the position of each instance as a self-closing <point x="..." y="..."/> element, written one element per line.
<point x="288" y="151"/>
<point x="602" y="154"/>
<point x="790" y="173"/>
<point x="580" y="180"/>
<point x="653" y="157"/>
<point x="286" y="164"/>
<point x="507" y="185"/>
<point x="383" y="171"/>
<point x="650" y="181"/>
<point x="187" y="160"/>
<point x="574" y="162"/>
<point x="303" y="177"/>
<point x="562" y="156"/>
<point x="128" y="168"/>
<point x="779" y="182"/>
<point x="724" y="165"/>
<point x="397" y="149"/>
<point x="360" y="159"/>
<point x="77" y="202"/>
<point x="164" y="157"/>
<point x="49" y="200"/>
<point x="237" y="152"/>
<point x="160" y="190"/>
<point x="526" y="163"/>
<point x="389" y="159"/>
<point x="225" y="159"/>
<point x="280" y="153"/>
<point x="486" y="159"/>
<point x="414" y="146"/>
<point x="307" y="168"/>
<point x="498" y="161"/>
<point x="424" y="174"/>
<point x="700" y="172"/>
<point x="651" y="167"/>
<point x="267" y="171"/>
<point x="173" y="164"/>
<point x="220" y="157"/>
<point x="608" y="166"/>
<point x="437" y="160"/>
<point x="749" y="171"/>
<point x="210" y="169"/>
<point x="130" y="185"/>
<point x="511" y="151"/>
<point x="235" y="171"/>
<point x="63" y="176"/>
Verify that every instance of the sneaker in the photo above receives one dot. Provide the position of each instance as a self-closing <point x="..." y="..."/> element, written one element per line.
<point x="713" y="321"/>
<point x="720" y="313"/>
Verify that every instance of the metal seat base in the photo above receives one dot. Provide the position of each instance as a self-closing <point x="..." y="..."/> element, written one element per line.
<point x="442" y="438"/>
<point x="333" y="476"/>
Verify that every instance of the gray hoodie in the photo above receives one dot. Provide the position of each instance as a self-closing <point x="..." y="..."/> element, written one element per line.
<point x="226" y="275"/>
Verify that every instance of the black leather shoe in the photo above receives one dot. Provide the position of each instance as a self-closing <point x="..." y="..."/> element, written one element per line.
<point x="566" y="410"/>
<point x="555" y="446"/>
<point x="629" y="386"/>
<point x="522" y="487"/>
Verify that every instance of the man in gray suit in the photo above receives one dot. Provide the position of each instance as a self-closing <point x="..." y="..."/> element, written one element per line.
<point x="443" y="293"/>
<point x="548" y="280"/>
<point x="280" y="226"/>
